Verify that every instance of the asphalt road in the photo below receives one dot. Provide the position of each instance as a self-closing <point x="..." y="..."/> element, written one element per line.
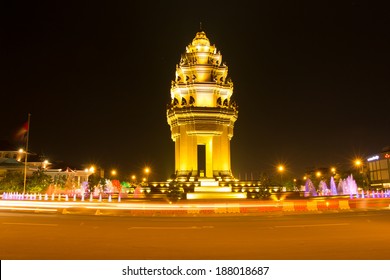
<point x="332" y="236"/>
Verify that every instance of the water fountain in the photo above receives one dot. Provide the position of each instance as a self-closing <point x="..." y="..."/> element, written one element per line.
<point x="333" y="190"/>
<point x="323" y="188"/>
<point x="347" y="186"/>
<point x="310" y="190"/>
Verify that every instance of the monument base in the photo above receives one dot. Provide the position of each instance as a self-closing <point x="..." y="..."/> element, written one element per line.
<point x="209" y="189"/>
<point x="216" y="195"/>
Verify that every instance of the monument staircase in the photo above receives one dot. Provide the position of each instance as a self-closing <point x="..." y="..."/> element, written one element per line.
<point x="209" y="188"/>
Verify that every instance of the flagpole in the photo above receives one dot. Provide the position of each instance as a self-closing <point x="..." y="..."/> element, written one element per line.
<point x="25" y="158"/>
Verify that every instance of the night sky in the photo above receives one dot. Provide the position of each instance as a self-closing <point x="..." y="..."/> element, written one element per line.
<point x="311" y="80"/>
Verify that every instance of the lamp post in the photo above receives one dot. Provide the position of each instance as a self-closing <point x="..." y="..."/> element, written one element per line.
<point x="147" y="171"/>
<point x="281" y="170"/>
<point x="359" y="166"/>
<point x="25" y="158"/>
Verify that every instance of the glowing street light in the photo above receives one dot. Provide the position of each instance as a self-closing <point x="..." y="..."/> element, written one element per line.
<point x="147" y="171"/>
<point x="280" y="170"/>
<point x="333" y="170"/>
<point x="45" y="163"/>
<point x="113" y="172"/>
<point x="358" y="162"/>
<point x="360" y="167"/>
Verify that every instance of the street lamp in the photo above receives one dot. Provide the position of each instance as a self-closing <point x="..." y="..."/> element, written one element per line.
<point x="147" y="171"/>
<point x="280" y="170"/>
<point x="359" y="166"/>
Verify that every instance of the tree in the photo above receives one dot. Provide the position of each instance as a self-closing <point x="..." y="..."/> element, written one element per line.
<point x="117" y="185"/>
<point x="12" y="182"/>
<point x="60" y="181"/>
<point x="39" y="181"/>
<point x="93" y="181"/>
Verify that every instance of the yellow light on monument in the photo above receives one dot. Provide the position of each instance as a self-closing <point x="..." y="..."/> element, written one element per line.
<point x="92" y="169"/>
<point x="21" y="151"/>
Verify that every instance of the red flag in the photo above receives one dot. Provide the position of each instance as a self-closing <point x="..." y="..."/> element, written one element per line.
<point x="21" y="134"/>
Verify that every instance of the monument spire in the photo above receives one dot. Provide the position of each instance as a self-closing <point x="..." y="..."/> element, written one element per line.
<point x="202" y="113"/>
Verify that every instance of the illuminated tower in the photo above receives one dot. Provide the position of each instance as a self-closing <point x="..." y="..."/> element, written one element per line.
<point x="202" y="114"/>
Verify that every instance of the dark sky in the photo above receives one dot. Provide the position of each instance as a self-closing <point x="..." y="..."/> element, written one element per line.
<point x="311" y="79"/>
